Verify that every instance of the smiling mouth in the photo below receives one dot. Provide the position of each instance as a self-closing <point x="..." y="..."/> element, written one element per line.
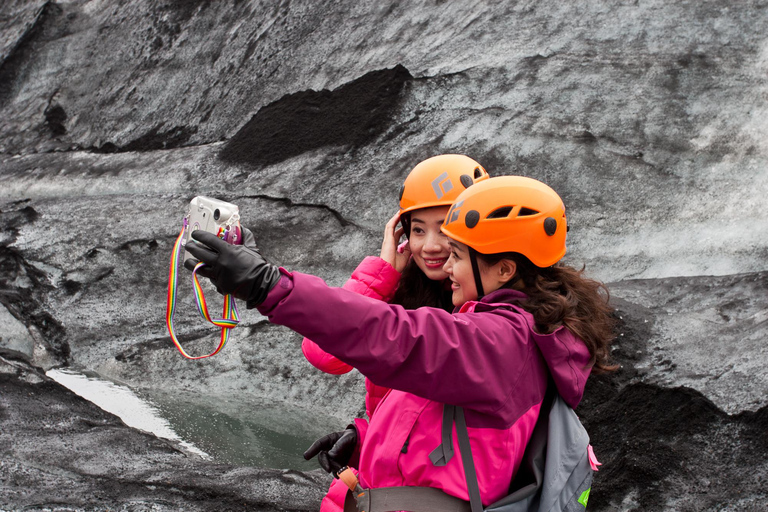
<point x="435" y="263"/>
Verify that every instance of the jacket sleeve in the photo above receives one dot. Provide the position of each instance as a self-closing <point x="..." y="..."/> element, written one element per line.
<point x="373" y="278"/>
<point x="466" y="359"/>
<point x="322" y="360"/>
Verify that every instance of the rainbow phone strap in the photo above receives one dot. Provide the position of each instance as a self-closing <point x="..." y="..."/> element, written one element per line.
<point x="231" y="316"/>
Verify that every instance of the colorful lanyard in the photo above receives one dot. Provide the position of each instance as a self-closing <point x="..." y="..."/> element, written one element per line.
<point x="231" y="316"/>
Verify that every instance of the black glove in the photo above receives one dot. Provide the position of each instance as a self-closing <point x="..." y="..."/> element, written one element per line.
<point x="334" y="450"/>
<point x="239" y="270"/>
<point x="249" y="241"/>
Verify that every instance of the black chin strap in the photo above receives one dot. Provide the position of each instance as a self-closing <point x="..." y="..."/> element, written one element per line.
<point x="405" y="222"/>
<point x="476" y="272"/>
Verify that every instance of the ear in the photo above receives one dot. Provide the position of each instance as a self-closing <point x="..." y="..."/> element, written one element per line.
<point x="506" y="270"/>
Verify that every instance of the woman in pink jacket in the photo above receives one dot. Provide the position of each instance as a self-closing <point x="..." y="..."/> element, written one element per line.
<point x="522" y="320"/>
<point x="413" y="277"/>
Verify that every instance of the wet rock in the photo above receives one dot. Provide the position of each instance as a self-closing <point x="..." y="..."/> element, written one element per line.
<point x="61" y="452"/>
<point x="706" y="333"/>
<point x="352" y="115"/>
<point x="666" y="445"/>
<point x="16" y="340"/>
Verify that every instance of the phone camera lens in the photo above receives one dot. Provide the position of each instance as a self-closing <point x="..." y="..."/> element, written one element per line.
<point x="216" y="214"/>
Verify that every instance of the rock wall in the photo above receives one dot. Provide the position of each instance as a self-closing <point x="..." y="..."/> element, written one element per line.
<point x="648" y="117"/>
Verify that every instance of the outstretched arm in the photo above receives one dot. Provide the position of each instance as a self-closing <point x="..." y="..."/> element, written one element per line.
<point x="468" y="359"/>
<point x="374" y="278"/>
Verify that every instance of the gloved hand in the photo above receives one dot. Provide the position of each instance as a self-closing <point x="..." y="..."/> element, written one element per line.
<point x="239" y="270"/>
<point x="249" y="241"/>
<point x="334" y="450"/>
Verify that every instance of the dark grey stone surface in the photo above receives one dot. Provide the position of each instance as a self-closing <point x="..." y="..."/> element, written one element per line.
<point x="62" y="453"/>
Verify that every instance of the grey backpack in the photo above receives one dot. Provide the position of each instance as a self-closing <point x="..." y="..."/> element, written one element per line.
<point x="555" y="473"/>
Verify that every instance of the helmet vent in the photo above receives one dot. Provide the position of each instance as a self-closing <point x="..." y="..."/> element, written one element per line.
<point x="472" y="218"/>
<point x="402" y="191"/>
<point x="525" y="212"/>
<point x="550" y="226"/>
<point x="478" y="173"/>
<point x="466" y="180"/>
<point x="500" y="213"/>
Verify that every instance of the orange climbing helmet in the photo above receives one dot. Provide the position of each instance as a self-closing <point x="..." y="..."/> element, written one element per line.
<point x="510" y="214"/>
<point x="437" y="181"/>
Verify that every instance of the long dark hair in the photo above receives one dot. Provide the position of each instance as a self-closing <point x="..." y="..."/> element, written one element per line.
<point x="561" y="295"/>
<point x="415" y="290"/>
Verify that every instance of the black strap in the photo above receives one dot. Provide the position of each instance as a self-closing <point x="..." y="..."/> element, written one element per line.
<point x="441" y="455"/>
<point x="476" y="272"/>
<point x="473" y="488"/>
<point x="350" y="503"/>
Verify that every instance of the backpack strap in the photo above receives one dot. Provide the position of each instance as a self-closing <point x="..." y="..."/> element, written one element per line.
<point x="441" y="455"/>
<point x="444" y="451"/>
<point x="473" y="488"/>
<point x="391" y="499"/>
<point x="529" y="479"/>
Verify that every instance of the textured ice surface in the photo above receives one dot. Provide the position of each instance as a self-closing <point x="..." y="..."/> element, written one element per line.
<point x="648" y="117"/>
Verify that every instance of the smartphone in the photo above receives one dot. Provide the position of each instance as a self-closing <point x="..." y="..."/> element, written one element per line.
<point x="215" y="216"/>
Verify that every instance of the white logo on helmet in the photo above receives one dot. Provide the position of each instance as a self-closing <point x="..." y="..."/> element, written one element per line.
<point x="442" y="185"/>
<point x="454" y="212"/>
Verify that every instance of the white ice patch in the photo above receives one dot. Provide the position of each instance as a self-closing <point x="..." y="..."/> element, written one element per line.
<point x="120" y="401"/>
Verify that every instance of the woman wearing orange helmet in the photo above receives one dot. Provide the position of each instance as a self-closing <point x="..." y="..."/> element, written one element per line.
<point x="472" y="381"/>
<point x="511" y="233"/>
<point x="412" y="277"/>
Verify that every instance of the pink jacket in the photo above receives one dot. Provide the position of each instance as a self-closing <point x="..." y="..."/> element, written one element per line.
<point x="373" y="278"/>
<point x="486" y="358"/>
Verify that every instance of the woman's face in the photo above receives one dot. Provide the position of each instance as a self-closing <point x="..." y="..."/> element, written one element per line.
<point x="459" y="270"/>
<point x="429" y="246"/>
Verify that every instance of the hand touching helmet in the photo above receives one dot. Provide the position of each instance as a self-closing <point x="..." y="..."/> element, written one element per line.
<point x="394" y="254"/>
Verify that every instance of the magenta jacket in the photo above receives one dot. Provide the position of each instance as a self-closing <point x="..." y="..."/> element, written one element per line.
<point x="486" y="358"/>
<point x="373" y="278"/>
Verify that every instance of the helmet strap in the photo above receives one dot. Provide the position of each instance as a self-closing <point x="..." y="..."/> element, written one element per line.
<point x="405" y="221"/>
<point x="476" y="272"/>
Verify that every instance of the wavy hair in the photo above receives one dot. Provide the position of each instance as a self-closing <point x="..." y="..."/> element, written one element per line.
<point x="562" y="296"/>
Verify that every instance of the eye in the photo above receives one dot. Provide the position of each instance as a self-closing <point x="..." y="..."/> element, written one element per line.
<point x="417" y="230"/>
